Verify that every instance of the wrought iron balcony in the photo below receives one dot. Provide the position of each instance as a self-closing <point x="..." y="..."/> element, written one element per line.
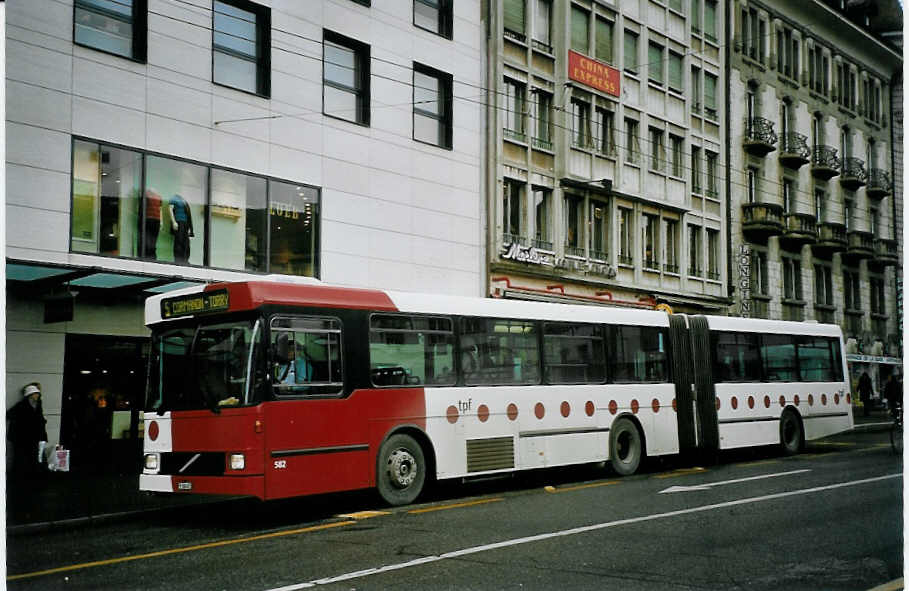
<point x="801" y="228"/>
<point x="886" y="253"/>
<point x="852" y="173"/>
<point x="762" y="220"/>
<point x="831" y="238"/>
<point x="878" y="183"/>
<point x="760" y="139"/>
<point x="860" y="245"/>
<point x="794" y="152"/>
<point x="508" y="239"/>
<point x="824" y="163"/>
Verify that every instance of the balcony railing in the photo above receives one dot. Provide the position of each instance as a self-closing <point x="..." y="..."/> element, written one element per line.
<point x="831" y="238"/>
<point x="852" y="173"/>
<point x="878" y="183"/>
<point x="762" y="220"/>
<point x="860" y="245"/>
<point x="542" y="244"/>
<point x="795" y="152"/>
<point x="824" y="163"/>
<point x="801" y="228"/>
<point x="574" y="251"/>
<point x="541" y="144"/>
<point x="514" y="239"/>
<point x="886" y="253"/>
<point x="760" y="139"/>
<point x="625" y="259"/>
<point x="515" y="135"/>
<point x="670" y="268"/>
<point x="599" y="255"/>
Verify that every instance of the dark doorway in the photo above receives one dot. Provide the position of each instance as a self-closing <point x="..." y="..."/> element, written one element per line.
<point x="103" y="393"/>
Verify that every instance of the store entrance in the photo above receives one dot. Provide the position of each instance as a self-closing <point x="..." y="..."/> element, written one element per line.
<point x="103" y="392"/>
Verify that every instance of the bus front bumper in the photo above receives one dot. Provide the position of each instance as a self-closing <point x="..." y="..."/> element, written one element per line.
<point x="253" y="486"/>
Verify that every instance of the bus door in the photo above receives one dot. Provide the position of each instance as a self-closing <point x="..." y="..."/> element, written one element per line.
<point x="693" y="377"/>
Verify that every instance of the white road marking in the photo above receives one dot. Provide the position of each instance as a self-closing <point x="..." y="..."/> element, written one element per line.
<point x="574" y="531"/>
<point x="709" y="485"/>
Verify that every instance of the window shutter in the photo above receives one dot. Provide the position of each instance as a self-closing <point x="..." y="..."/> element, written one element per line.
<point x="604" y="41"/>
<point x="514" y="16"/>
<point x="579" y="24"/>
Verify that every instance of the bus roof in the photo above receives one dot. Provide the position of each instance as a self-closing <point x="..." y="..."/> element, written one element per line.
<point x="734" y="323"/>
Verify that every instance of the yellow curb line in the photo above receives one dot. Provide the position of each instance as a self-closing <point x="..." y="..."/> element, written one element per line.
<point x="554" y="490"/>
<point x="455" y="506"/>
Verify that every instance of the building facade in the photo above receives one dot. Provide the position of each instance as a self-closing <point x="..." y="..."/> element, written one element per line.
<point x="811" y="173"/>
<point x="605" y="139"/>
<point x="156" y="144"/>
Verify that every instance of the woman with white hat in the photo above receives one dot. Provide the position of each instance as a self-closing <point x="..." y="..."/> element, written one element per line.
<point x="27" y="431"/>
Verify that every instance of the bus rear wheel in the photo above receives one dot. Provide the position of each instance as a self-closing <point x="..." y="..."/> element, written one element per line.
<point x="791" y="437"/>
<point x="401" y="470"/>
<point x="626" y="447"/>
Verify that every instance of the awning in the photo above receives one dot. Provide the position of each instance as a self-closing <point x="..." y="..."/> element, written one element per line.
<point x="883" y="360"/>
<point x="54" y="279"/>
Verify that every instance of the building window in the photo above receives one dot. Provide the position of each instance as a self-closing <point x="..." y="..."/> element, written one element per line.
<point x="542" y="26"/>
<point x="710" y="109"/>
<point x="694" y="250"/>
<point x="655" y="63"/>
<point x="874" y="220"/>
<point x="631" y="52"/>
<point x="542" y="117"/>
<point x="626" y="236"/>
<point x="513" y="213"/>
<point x="241" y="46"/>
<point x="632" y="148"/>
<point x="657" y="150"/>
<point x="751" y="37"/>
<point x="852" y="290"/>
<point x="651" y="245"/>
<point x="515" y="19"/>
<point x="604" y="127"/>
<point x="514" y="110"/>
<point x="761" y="283"/>
<point x="676" y="5"/>
<point x="434" y="16"/>
<point x="787" y="53"/>
<point x="671" y="259"/>
<point x="675" y="72"/>
<point x="580" y="123"/>
<point x="678" y="145"/>
<point x="574" y="225"/>
<point x="713" y="254"/>
<point x="792" y="279"/>
<point x="542" y="203"/>
<point x="820" y="205"/>
<point x="752" y="185"/>
<point x="604" y="41"/>
<point x="695" y="17"/>
<point x="788" y="189"/>
<point x="112" y="26"/>
<point x="599" y="231"/>
<point x="580" y="23"/>
<point x="712" y="181"/>
<point x="345" y="79"/>
<point x="848" y="211"/>
<point x="696" y="105"/>
<point x="823" y="285"/>
<point x="695" y="169"/>
<point x="135" y="205"/>
<point x="432" y="106"/>
<point x="710" y="20"/>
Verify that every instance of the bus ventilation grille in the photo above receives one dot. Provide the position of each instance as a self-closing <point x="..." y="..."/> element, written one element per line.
<point x="496" y="453"/>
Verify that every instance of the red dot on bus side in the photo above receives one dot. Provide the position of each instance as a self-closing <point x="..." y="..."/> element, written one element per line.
<point x="613" y="407"/>
<point x="782" y="401"/>
<point x="153" y="430"/>
<point x="824" y="399"/>
<point x="767" y="401"/>
<point x="589" y="408"/>
<point x="655" y="405"/>
<point x="483" y="413"/>
<point x="811" y="400"/>
<point x="675" y="405"/>
<point x="565" y="408"/>
<point x="751" y="402"/>
<point x="836" y="398"/>
<point x="539" y="410"/>
<point x="735" y="403"/>
<point x="452" y="414"/>
<point x="795" y="399"/>
<point x="848" y="398"/>
<point x="512" y="411"/>
<point x="635" y="406"/>
<point x="718" y="404"/>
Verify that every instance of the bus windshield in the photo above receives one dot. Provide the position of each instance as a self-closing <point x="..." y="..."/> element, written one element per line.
<point x="206" y="366"/>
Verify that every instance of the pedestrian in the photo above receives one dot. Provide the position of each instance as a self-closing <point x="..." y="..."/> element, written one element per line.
<point x="866" y="391"/>
<point x="26" y="432"/>
<point x="893" y="392"/>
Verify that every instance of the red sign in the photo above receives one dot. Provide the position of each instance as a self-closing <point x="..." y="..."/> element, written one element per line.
<point x="593" y="73"/>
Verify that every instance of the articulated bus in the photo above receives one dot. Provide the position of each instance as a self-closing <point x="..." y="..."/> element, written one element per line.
<point x="276" y="390"/>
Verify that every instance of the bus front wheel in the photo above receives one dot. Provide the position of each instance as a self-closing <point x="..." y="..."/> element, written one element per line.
<point x="626" y="447"/>
<point x="791" y="437"/>
<point x="401" y="470"/>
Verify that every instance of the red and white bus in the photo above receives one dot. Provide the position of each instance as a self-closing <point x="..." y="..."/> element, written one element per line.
<point x="276" y="390"/>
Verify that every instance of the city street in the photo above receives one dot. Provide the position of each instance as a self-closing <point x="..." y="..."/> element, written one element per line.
<point x="828" y="519"/>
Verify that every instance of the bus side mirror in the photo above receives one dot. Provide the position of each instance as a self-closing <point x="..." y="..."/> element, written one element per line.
<point x="282" y="348"/>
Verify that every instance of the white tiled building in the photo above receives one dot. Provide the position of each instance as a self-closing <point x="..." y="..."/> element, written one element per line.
<point x="326" y="138"/>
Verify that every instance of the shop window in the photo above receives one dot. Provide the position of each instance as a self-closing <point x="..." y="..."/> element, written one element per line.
<point x="241" y="45"/>
<point x="345" y="79"/>
<point x="238" y="225"/>
<point x="294" y="214"/>
<point x="183" y="191"/>
<point x="432" y="116"/>
<point x="112" y="26"/>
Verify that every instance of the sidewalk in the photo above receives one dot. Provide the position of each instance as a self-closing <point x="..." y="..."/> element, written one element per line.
<point x="68" y="499"/>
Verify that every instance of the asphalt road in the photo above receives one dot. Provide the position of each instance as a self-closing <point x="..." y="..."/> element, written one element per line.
<point x="828" y="519"/>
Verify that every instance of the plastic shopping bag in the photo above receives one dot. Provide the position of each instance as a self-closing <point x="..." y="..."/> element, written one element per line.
<point x="59" y="461"/>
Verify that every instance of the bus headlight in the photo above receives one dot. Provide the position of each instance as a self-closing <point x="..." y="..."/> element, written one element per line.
<point x="151" y="462"/>
<point x="237" y="461"/>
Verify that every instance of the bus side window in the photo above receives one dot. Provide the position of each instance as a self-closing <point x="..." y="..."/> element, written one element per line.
<point x="306" y="356"/>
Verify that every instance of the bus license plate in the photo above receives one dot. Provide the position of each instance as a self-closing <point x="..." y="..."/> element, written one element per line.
<point x="184" y="486"/>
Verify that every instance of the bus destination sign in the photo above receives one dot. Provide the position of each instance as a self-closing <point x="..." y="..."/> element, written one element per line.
<point x="196" y="303"/>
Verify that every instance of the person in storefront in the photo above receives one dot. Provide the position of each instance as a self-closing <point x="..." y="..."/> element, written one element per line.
<point x="26" y="432"/>
<point x="866" y="392"/>
<point x="893" y="392"/>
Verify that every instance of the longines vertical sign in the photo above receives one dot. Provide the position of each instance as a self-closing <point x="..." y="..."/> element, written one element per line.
<point x="593" y="73"/>
<point x="745" y="280"/>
